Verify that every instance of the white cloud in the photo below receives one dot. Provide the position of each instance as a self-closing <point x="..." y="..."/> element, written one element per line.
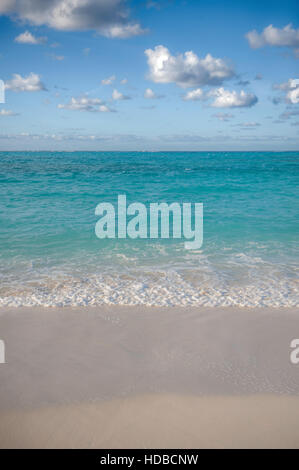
<point x="291" y="83"/>
<point x="30" y="83"/>
<point x="149" y="94"/>
<point x="272" y="36"/>
<point x="186" y="70"/>
<point x="28" y="38"/>
<point x="194" y="95"/>
<point x="124" y="81"/>
<point x="232" y="99"/>
<point x="291" y="87"/>
<point x="8" y="112"/>
<point x="109" y="80"/>
<point x="110" y="18"/>
<point x="118" y="96"/>
<point x="293" y="96"/>
<point x="124" y="31"/>
<point x="104" y="109"/>
<point x="85" y="104"/>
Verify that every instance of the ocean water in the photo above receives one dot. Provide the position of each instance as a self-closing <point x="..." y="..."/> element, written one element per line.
<point x="49" y="254"/>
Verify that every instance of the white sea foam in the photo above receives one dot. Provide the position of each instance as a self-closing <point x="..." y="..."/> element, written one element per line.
<point x="161" y="277"/>
<point x="168" y="288"/>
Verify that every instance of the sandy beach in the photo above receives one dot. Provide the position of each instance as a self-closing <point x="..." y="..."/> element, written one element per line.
<point x="116" y="377"/>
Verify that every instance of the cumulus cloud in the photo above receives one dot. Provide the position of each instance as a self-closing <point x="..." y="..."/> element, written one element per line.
<point x="272" y="36"/>
<point x="291" y="83"/>
<point x="8" y="112"/>
<point x="223" y="99"/>
<point x="186" y="70"/>
<point x="28" y="38"/>
<point x="103" y="108"/>
<point x="232" y="99"/>
<point x="293" y="96"/>
<point x="151" y="95"/>
<point x="194" y="95"/>
<point x="109" y="80"/>
<point x="291" y="87"/>
<point x="118" y="96"/>
<point x="30" y="83"/>
<point x="111" y="18"/>
<point x="85" y="103"/>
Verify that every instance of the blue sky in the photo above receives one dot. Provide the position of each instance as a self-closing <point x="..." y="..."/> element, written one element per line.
<point x="119" y="75"/>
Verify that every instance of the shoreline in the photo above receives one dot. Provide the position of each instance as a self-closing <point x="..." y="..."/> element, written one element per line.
<point x="140" y="376"/>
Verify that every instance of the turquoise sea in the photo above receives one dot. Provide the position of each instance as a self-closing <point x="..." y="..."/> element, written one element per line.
<point x="49" y="254"/>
